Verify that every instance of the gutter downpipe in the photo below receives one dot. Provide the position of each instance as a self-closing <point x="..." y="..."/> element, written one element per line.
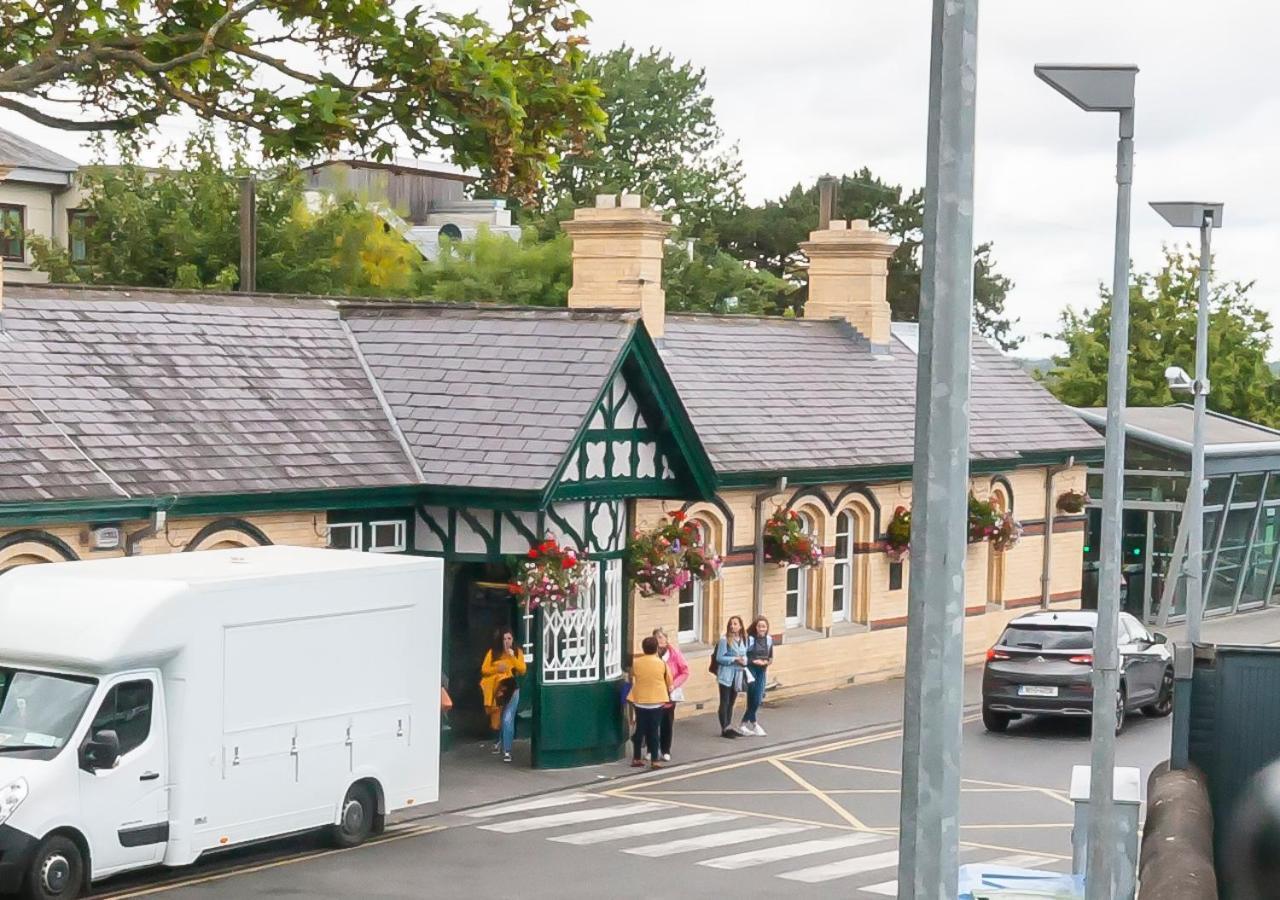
<point x="1046" y="572"/>
<point x="757" y="586"/>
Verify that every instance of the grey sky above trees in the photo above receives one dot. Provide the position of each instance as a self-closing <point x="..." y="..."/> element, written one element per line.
<point x="829" y="87"/>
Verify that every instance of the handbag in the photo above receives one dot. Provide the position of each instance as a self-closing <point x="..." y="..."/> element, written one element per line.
<point x="714" y="667"/>
<point x="505" y="690"/>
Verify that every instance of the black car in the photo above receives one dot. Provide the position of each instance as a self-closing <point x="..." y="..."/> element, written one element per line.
<point x="1043" y="665"/>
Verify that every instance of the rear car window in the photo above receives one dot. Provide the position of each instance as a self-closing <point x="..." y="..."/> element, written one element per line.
<point x="1031" y="637"/>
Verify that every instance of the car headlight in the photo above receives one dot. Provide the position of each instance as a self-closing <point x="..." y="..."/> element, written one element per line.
<point x="11" y="797"/>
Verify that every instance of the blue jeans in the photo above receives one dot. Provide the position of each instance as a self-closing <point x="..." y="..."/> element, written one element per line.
<point x="755" y="693"/>
<point x="507" y="733"/>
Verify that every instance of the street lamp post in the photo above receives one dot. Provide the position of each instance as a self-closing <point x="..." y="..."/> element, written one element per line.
<point x="1206" y="217"/>
<point x="933" y="705"/>
<point x="1107" y="89"/>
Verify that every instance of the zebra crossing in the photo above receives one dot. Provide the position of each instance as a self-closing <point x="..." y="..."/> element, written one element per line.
<point x="797" y="852"/>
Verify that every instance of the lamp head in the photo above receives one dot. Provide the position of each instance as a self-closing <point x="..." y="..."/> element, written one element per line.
<point x="1178" y="380"/>
<point x="1092" y="88"/>
<point x="1190" y="213"/>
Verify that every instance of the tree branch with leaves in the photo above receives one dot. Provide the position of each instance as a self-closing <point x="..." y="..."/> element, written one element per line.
<point x="313" y="76"/>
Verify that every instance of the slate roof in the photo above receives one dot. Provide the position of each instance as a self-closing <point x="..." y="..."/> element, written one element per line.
<point x="169" y="393"/>
<point x="489" y="397"/>
<point x="787" y="394"/>
<point x="18" y="152"/>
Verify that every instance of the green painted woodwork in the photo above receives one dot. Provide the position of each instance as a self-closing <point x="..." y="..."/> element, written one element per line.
<point x="578" y="724"/>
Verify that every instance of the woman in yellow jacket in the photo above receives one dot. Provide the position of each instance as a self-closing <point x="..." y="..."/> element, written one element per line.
<point x="502" y="665"/>
<point x="650" y="693"/>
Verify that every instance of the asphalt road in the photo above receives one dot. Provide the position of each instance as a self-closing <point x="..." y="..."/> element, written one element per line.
<point x="815" y="819"/>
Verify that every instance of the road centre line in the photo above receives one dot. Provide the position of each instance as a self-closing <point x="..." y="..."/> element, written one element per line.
<point x="261" y="867"/>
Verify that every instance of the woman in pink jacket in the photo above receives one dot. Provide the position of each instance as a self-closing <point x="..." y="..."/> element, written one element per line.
<point x="679" y="669"/>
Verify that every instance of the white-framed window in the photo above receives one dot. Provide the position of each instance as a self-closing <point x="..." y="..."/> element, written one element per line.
<point x="346" y="536"/>
<point x="842" y="597"/>
<point x="691" y="606"/>
<point x="797" y="594"/>
<point x="526" y="632"/>
<point x="387" y="536"/>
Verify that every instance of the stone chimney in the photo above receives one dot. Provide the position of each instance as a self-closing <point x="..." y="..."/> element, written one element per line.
<point x="617" y="258"/>
<point x="848" y="277"/>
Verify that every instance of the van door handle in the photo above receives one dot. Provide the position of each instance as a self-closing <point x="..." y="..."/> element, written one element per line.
<point x="149" y="776"/>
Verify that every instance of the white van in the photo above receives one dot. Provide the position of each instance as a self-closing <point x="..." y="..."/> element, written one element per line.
<point x="154" y="708"/>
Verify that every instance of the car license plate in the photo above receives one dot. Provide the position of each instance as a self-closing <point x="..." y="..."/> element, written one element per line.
<point x="1037" y="690"/>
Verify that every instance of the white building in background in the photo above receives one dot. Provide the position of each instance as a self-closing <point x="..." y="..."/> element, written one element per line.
<point x="424" y="201"/>
<point x="38" y="194"/>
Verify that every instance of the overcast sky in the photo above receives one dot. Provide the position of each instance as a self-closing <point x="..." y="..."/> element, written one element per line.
<point x="814" y="86"/>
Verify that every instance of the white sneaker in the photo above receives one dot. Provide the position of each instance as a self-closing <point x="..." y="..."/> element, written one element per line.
<point x="760" y="732"/>
<point x="666" y="757"/>
<point x="746" y="728"/>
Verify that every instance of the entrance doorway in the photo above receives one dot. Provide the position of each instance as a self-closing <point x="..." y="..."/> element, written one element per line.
<point x="479" y="605"/>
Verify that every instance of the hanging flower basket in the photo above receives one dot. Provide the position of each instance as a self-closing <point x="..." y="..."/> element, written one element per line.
<point x="983" y="520"/>
<point x="1072" y="502"/>
<point x="1008" y="533"/>
<point x="897" y="537"/>
<point x="550" y="575"/>
<point x="785" y="542"/>
<point x="668" y="557"/>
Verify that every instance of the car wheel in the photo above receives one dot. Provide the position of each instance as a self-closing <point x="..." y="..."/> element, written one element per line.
<point x="355" y="824"/>
<point x="56" y="871"/>
<point x="1122" y="705"/>
<point x="994" y="721"/>
<point x="1164" y="705"/>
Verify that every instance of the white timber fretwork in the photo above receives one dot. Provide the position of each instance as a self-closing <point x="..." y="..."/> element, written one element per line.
<point x="619" y="443"/>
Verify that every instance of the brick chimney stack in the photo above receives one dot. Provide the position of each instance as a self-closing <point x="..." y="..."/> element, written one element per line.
<point x="617" y="258"/>
<point x="848" y="277"/>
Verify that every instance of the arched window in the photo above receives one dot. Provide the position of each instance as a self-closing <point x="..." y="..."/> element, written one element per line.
<point x="22" y="559"/>
<point x="842" y="577"/>
<point x="691" y="609"/>
<point x="797" y="594"/>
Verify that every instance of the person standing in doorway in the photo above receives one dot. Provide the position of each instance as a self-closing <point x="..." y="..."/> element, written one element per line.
<point x="650" y="694"/>
<point x="502" y="665"/>
<point x="731" y="671"/>
<point x="759" y="658"/>
<point x="679" y="669"/>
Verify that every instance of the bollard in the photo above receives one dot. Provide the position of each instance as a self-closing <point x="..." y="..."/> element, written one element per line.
<point x="1183" y="668"/>
<point x="1128" y="800"/>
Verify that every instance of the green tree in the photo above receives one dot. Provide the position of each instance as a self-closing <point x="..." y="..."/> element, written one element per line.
<point x="179" y="227"/>
<point x="1162" y="328"/>
<point x="494" y="268"/>
<point x="661" y="140"/>
<point x="714" y="281"/>
<point x="768" y="237"/>
<point x="310" y="77"/>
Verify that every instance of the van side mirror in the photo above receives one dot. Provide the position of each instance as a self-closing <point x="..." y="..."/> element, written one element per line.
<point x="101" y="751"/>
<point x="1159" y="638"/>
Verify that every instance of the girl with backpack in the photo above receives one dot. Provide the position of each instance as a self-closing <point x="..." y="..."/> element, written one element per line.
<point x="729" y="662"/>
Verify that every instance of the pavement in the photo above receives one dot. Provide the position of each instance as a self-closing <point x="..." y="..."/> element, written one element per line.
<point x="811" y="809"/>
<point x="472" y="776"/>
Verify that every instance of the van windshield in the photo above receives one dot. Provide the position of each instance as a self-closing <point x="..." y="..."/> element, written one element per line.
<point x="40" y="710"/>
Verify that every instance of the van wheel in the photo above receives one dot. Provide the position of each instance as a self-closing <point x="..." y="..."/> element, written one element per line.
<point x="359" y="810"/>
<point x="56" y="871"/>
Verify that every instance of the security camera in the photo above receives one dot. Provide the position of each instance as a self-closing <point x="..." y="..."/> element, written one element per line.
<point x="1179" y="380"/>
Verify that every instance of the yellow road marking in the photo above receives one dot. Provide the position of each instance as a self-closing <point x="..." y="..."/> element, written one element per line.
<point x="275" y="864"/>
<point x="983" y="783"/>
<point x="835" y="807"/>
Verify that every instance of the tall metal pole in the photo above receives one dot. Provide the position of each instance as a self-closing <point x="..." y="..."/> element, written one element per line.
<point x="248" y="234"/>
<point x="1103" y="833"/>
<point x="928" y="866"/>
<point x="1195" y="490"/>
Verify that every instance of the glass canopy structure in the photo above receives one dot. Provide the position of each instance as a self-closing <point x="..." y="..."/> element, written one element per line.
<point x="1241" y="551"/>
